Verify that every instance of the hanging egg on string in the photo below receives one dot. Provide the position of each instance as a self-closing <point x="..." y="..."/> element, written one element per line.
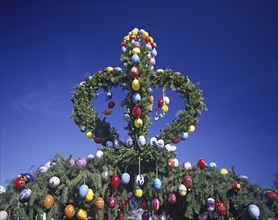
<point x="184" y="136"/>
<point x="236" y="186"/>
<point x="156" y="204"/>
<point x="129" y="142"/>
<point x="254" y="211"/>
<point x="111" y="104"/>
<point x="115" y="181"/>
<point x="165" y="109"/>
<point x="224" y="171"/>
<point x="28" y="177"/>
<point x="166" y="100"/>
<point x="172" y="198"/>
<point x="121" y="215"/>
<point x="69" y="211"/>
<point x="136" y="44"/>
<point x="149" y="90"/>
<point x="107" y="112"/>
<point x="157" y="184"/>
<point x="118" y="69"/>
<point x="125" y="178"/>
<point x="54" y="182"/>
<point x="151" y="99"/>
<point x="212" y="165"/>
<point x="109" y="95"/>
<point x="146" y="215"/>
<point x="99" y="154"/>
<point x="191" y="129"/>
<point x="187" y="180"/>
<point x="220" y="208"/>
<point x="201" y="163"/>
<point x="82" y="214"/>
<point x="171" y="163"/>
<point x="136" y="112"/>
<point x="2" y="189"/>
<point x="25" y="195"/>
<point x="182" y="190"/>
<point x="116" y="143"/>
<point x="82" y="128"/>
<point x="210" y="204"/>
<point x="90" y="195"/>
<point x="48" y="201"/>
<point x="153" y="141"/>
<point x="109" y="144"/>
<point x="97" y="139"/>
<point x="160" y="143"/>
<point x="138" y="193"/>
<point x="187" y="165"/>
<point x="176" y="140"/>
<point x="176" y="162"/>
<point x="139" y="180"/>
<point x="135" y="85"/>
<point x="112" y="202"/>
<point x="105" y="175"/>
<point x="141" y="141"/>
<point x="136" y="50"/>
<point x="134" y="72"/>
<point x="100" y="203"/>
<point x="138" y="123"/>
<point x="89" y="134"/>
<point x="83" y="191"/>
<point x="43" y="169"/>
<point x="160" y="103"/>
<point x="136" y="98"/>
<point x="144" y="204"/>
<point x="123" y="204"/>
<point x="135" y="59"/>
<point x="149" y="47"/>
<point x="154" y="53"/>
<point x="3" y="215"/>
<point x="81" y="162"/>
<point x="19" y="183"/>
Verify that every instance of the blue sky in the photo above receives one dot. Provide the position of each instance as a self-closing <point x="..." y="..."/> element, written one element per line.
<point x="230" y="47"/>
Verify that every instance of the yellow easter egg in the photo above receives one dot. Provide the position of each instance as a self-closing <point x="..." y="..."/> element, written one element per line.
<point x="182" y="190"/>
<point x="151" y="39"/>
<point x="151" y="99"/>
<point x="134" y="32"/>
<point x="138" y="123"/>
<point x="90" y="195"/>
<point x="150" y="107"/>
<point x="109" y="69"/>
<point x="224" y="171"/>
<point x="138" y="193"/>
<point x="191" y="129"/>
<point x="126" y="38"/>
<point x="160" y="71"/>
<point x="82" y="214"/>
<point x="165" y="108"/>
<point x="135" y="50"/>
<point x="82" y="83"/>
<point x="135" y="85"/>
<point x="89" y="134"/>
<point x="145" y="34"/>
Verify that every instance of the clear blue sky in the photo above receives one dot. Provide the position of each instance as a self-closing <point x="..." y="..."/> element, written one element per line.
<point x="230" y="47"/>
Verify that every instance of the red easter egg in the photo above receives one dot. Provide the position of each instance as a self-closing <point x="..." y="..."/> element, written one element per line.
<point x="144" y="204"/>
<point x="160" y="103"/>
<point x="123" y="204"/>
<point x="220" y="208"/>
<point x="136" y="112"/>
<point x="121" y="215"/>
<point x="76" y="121"/>
<point x="155" y="204"/>
<point x="176" y="140"/>
<point x="236" y="186"/>
<point x="19" y="183"/>
<point x="97" y="140"/>
<point x="111" y="104"/>
<point x="172" y="198"/>
<point x="196" y="121"/>
<point x="201" y="163"/>
<point x="123" y="44"/>
<point x="112" y="202"/>
<point x="115" y="181"/>
<point x="153" y="45"/>
<point x="272" y="195"/>
<point x="134" y="72"/>
<point x="187" y="181"/>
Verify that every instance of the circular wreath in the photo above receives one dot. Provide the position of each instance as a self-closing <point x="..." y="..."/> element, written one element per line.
<point x="87" y="118"/>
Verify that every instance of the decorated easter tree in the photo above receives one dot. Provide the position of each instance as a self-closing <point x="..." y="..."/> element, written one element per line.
<point x="139" y="177"/>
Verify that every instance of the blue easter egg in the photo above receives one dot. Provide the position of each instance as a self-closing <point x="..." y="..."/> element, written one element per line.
<point x="82" y="128"/>
<point x="135" y="58"/>
<point x="157" y="184"/>
<point x="109" y="144"/>
<point x="154" y="53"/>
<point x="136" y="97"/>
<point x="123" y="49"/>
<point x="27" y="176"/>
<point x="125" y="178"/>
<point x="184" y="136"/>
<point x="212" y="165"/>
<point x="25" y="195"/>
<point x="109" y="95"/>
<point x="83" y="190"/>
<point x="2" y="189"/>
<point x="149" y="47"/>
<point x="118" y="69"/>
<point x="254" y="211"/>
